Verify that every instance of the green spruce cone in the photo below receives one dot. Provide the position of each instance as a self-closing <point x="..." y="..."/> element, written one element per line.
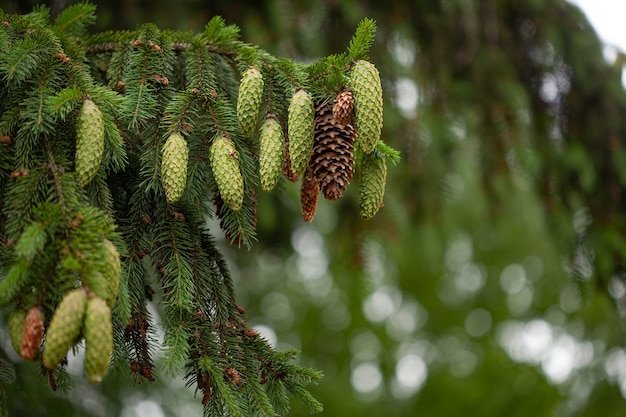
<point x="372" y="185"/>
<point x="113" y="271"/>
<point x="271" y="150"/>
<point x="98" y="332"/>
<point x="16" y="329"/>
<point x="174" y="167"/>
<point x="368" y="104"/>
<point x="300" y="128"/>
<point x="89" y="142"/>
<point x="249" y="100"/>
<point x="97" y="282"/>
<point x="64" y="327"/>
<point x="224" y="160"/>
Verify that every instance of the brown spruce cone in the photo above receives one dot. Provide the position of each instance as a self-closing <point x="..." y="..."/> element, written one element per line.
<point x="343" y="106"/>
<point x="331" y="161"/>
<point x="33" y="330"/>
<point x="309" y="192"/>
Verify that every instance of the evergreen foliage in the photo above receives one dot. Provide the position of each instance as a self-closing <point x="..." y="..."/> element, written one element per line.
<point x="62" y="224"/>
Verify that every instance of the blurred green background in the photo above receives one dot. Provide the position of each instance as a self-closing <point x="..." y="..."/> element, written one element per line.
<point x="492" y="282"/>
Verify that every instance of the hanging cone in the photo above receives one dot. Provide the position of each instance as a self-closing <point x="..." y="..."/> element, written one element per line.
<point x="331" y="160"/>
<point x="287" y="171"/>
<point x="33" y="330"/>
<point x="64" y="327"/>
<point x="343" y="106"/>
<point x="309" y="192"/>
<point x="368" y="104"/>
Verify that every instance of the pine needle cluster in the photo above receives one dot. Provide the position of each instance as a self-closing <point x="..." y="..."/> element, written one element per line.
<point x="59" y="208"/>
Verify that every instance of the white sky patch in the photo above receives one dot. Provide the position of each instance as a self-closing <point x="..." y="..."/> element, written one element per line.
<point x="607" y="18"/>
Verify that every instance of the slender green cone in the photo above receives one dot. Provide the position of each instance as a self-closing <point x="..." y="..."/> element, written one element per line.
<point x="174" y="167"/>
<point x="97" y="282"/>
<point x="224" y="160"/>
<point x="16" y="329"/>
<point x="249" y="100"/>
<point x="271" y="153"/>
<point x="89" y="142"/>
<point x="301" y="126"/>
<point x="64" y="327"/>
<point x="368" y="104"/>
<point x="372" y="185"/>
<point x="114" y="270"/>
<point x="98" y="332"/>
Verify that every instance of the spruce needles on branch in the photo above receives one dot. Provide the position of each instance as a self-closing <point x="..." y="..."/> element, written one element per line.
<point x="116" y="147"/>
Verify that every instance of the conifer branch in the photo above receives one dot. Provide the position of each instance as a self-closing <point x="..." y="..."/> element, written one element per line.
<point x="62" y="234"/>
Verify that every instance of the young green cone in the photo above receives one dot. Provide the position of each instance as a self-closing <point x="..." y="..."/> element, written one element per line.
<point x="368" y="104"/>
<point x="174" y="167"/>
<point x="113" y="271"/>
<point x="271" y="150"/>
<point x="224" y="160"/>
<point x="249" y="100"/>
<point x="300" y="128"/>
<point x="372" y="185"/>
<point x="16" y="329"/>
<point x="89" y="142"/>
<point x="98" y="332"/>
<point x="64" y="327"/>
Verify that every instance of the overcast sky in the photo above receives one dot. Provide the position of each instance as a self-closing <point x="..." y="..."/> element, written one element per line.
<point x="607" y="17"/>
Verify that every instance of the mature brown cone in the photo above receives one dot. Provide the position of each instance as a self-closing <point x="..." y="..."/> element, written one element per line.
<point x="33" y="330"/>
<point x="309" y="192"/>
<point x="343" y="106"/>
<point x="331" y="160"/>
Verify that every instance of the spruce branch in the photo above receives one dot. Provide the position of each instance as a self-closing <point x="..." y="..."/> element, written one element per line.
<point x="148" y="84"/>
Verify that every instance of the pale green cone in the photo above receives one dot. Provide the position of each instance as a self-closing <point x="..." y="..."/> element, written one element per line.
<point x="89" y="142"/>
<point x="16" y="329"/>
<point x="372" y="185"/>
<point x="368" y="104"/>
<point x="98" y="332"/>
<point x="64" y="327"/>
<point x="300" y="127"/>
<point x="249" y="100"/>
<point x="224" y="160"/>
<point x="271" y="153"/>
<point x="174" y="167"/>
<point x="113" y="271"/>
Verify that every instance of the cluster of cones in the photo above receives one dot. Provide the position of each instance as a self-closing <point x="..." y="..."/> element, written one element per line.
<point x="331" y="164"/>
